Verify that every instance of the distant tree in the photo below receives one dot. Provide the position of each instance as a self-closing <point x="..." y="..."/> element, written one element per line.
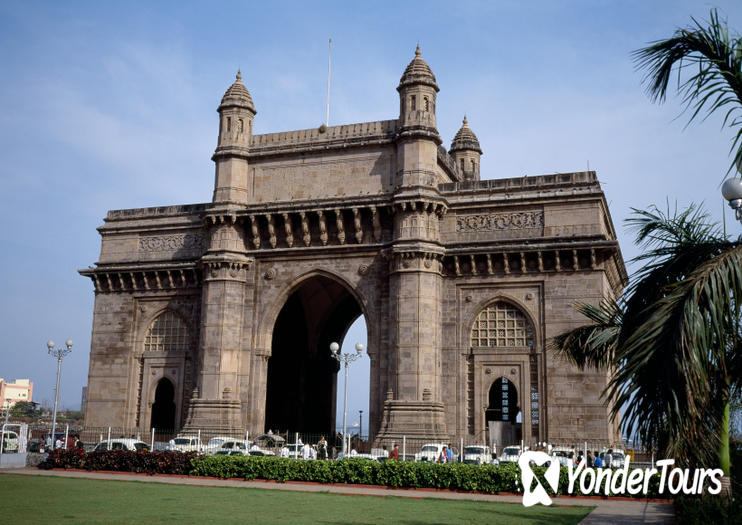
<point x="25" y="409"/>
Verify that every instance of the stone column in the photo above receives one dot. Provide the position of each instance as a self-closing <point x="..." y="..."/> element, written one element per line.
<point x="414" y="405"/>
<point x="215" y="404"/>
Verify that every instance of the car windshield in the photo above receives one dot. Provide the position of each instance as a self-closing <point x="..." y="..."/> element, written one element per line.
<point x="511" y="451"/>
<point x="182" y="441"/>
<point x="215" y="442"/>
<point x="617" y="455"/>
<point x="474" y="450"/>
<point x="429" y="448"/>
<point x="141" y="446"/>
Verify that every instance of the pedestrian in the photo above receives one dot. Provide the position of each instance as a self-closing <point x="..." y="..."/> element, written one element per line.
<point x="306" y="451"/>
<point x="608" y="458"/>
<point x="395" y="453"/>
<point x="443" y="457"/>
<point x="322" y="448"/>
<point x="78" y="442"/>
<point x="449" y="454"/>
<point x="597" y="463"/>
<point x="284" y="451"/>
<point x="58" y="443"/>
<point x="589" y="460"/>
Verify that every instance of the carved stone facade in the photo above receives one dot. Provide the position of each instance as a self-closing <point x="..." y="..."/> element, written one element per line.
<point x="219" y="315"/>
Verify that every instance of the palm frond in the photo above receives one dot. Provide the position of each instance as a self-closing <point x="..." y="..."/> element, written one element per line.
<point x="717" y="84"/>
<point x="594" y="344"/>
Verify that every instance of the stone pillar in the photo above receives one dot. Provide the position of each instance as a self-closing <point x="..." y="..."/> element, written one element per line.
<point x="215" y="404"/>
<point x="414" y="405"/>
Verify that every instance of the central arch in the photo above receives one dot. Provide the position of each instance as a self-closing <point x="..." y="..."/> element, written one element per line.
<point x="301" y="384"/>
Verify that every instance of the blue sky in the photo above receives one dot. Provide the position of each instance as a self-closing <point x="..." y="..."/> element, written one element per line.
<point x="110" y="106"/>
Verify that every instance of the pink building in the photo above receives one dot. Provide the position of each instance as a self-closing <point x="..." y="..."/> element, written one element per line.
<point x="18" y="390"/>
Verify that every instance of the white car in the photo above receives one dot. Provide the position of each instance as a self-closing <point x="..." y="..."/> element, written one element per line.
<point x="477" y="455"/>
<point x="231" y="446"/>
<point x="10" y="441"/>
<point x="510" y="454"/>
<point x="618" y="457"/>
<point x="561" y="454"/>
<point x="122" y="444"/>
<point x="186" y="444"/>
<point x="430" y="452"/>
<point x="255" y="450"/>
<point x="215" y="443"/>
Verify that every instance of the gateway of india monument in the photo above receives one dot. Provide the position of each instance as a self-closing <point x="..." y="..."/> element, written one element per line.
<point x="219" y="316"/>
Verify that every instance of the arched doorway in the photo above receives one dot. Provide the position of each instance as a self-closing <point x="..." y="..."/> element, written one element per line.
<point x="502" y="414"/>
<point x="163" y="409"/>
<point x="302" y="375"/>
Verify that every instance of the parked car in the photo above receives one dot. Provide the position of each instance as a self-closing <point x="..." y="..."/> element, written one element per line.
<point x="430" y="452"/>
<point x="256" y="450"/>
<point x="510" y="454"/>
<point x="215" y="444"/>
<point x="618" y="457"/>
<point x="561" y="454"/>
<point x="10" y="441"/>
<point x="186" y="444"/>
<point x="231" y="445"/>
<point x="122" y="444"/>
<point x="478" y="455"/>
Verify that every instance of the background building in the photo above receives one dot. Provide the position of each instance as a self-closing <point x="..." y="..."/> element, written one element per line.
<point x="14" y="391"/>
<point x="220" y="315"/>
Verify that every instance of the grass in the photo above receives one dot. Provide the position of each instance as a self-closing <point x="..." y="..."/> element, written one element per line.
<point x="40" y="500"/>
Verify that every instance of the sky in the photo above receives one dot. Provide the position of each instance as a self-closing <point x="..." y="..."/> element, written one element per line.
<point x="113" y="105"/>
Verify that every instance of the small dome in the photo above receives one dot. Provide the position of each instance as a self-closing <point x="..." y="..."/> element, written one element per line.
<point x="418" y="72"/>
<point x="465" y="140"/>
<point x="238" y="95"/>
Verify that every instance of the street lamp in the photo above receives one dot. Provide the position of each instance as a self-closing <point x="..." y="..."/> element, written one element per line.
<point x="346" y="359"/>
<point x="59" y="353"/>
<point x="732" y="191"/>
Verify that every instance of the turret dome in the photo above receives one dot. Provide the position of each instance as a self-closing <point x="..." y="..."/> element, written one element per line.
<point x="237" y="95"/>
<point x="418" y="72"/>
<point x="465" y="140"/>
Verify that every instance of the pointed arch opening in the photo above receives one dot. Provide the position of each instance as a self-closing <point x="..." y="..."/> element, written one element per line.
<point x="302" y="375"/>
<point x="163" y="409"/>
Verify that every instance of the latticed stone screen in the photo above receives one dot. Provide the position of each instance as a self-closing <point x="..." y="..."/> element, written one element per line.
<point x="501" y="324"/>
<point x="167" y="333"/>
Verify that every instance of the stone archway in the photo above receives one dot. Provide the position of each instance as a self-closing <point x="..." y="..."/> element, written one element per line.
<point x="502" y="413"/>
<point x="163" y="409"/>
<point x="302" y="375"/>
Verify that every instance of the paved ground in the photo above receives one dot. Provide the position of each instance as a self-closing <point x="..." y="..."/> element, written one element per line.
<point x="613" y="512"/>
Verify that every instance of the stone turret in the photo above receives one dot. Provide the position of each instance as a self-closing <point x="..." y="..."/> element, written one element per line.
<point x="466" y="152"/>
<point x="236" y="114"/>
<point x="417" y="92"/>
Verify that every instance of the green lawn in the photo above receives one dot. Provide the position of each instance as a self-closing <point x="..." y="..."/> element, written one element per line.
<point x="39" y="500"/>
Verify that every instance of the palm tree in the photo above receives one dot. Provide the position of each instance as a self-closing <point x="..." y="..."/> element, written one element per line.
<point x="672" y="340"/>
<point x="714" y="82"/>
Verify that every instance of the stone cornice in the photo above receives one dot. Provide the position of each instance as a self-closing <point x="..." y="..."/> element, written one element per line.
<point x="143" y="278"/>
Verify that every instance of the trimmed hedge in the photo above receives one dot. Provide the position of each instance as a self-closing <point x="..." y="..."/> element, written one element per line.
<point x="161" y="462"/>
<point x="491" y="479"/>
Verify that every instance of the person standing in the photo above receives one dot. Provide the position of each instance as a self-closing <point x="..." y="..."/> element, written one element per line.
<point x="322" y="448"/>
<point x="443" y="457"/>
<point x="449" y="454"/>
<point x="598" y="463"/>
<point x="394" y="453"/>
<point x="608" y="458"/>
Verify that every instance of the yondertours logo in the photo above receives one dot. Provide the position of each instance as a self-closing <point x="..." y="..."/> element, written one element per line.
<point x="612" y="482"/>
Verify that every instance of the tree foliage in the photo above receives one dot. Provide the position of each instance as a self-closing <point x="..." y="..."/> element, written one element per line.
<point x="672" y="340"/>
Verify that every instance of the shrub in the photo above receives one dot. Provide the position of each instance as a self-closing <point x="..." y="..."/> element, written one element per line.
<point x="161" y="462"/>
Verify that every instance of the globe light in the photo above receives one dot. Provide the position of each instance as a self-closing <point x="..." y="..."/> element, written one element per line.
<point x="50" y="344"/>
<point x="359" y="347"/>
<point x="334" y="347"/>
<point x="732" y="189"/>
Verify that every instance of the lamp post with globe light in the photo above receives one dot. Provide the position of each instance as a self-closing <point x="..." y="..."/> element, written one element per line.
<point x="345" y="359"/>
<point x="59" y="353"/>
<point x="732" y="192"/>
